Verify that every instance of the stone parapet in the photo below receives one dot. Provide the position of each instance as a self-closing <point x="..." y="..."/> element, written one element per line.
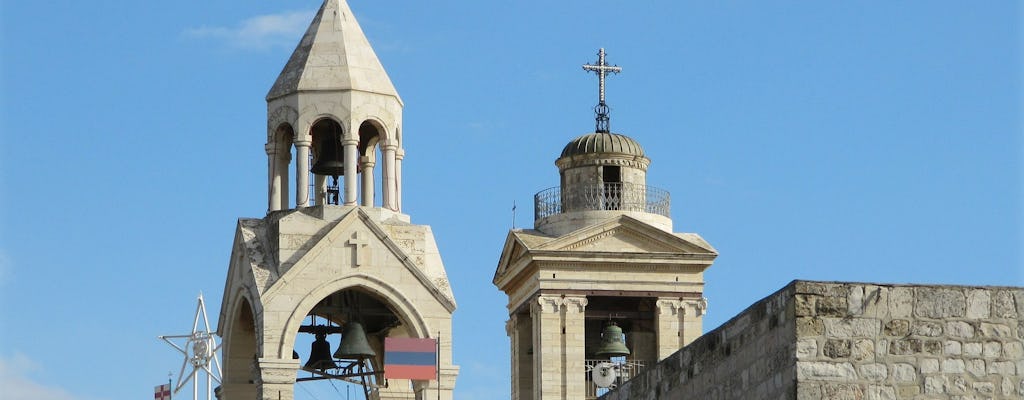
<point x="827" y="340"/>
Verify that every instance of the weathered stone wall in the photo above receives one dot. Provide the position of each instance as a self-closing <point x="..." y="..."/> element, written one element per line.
<point x="750" y="357"/>
<point x="909" y="342"/>
<point x="818" y="340"/>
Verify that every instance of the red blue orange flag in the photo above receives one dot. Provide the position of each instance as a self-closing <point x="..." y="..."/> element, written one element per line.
<point x="410" y="358"/>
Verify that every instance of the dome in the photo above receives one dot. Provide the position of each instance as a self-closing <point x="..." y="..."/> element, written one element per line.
<point x="598" y="142"/>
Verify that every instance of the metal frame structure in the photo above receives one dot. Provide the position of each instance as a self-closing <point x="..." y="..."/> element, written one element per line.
<point x="200" y="351"/>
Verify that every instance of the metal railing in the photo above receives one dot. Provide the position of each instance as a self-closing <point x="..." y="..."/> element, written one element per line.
<point x="605" y="196"/>
<point x="625" y="370"/>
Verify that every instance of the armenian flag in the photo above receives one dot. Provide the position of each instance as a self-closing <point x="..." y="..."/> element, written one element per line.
<point x="410" y="358"/>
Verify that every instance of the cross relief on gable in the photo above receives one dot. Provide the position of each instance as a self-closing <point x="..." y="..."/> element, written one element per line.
<point x="359" y="253"/>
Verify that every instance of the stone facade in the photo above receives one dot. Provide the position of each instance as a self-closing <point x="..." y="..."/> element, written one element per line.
<point x="823" y="340"/>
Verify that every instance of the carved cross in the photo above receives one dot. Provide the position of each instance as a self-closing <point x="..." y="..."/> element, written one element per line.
<point x="357" y="242"/>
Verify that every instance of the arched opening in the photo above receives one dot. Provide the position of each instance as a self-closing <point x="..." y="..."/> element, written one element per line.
<point x="339" y="332"/>
<point x="240" y="353"/>
<point x="327" y="161"/>
<point x="370" y="136"/>
<point x="280" y="159"/>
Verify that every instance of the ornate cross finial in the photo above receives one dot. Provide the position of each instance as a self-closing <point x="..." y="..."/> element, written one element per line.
<point x="602" y="69"/>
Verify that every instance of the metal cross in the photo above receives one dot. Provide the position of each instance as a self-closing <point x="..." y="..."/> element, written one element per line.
<point x="602" y="69"/>
<point x="356" y="242"/>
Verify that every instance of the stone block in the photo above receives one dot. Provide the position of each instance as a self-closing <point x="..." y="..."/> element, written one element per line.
<point x="986" y="388"/>
<point x="831" y="307"/>
<point x="880" y="393"/>
<point x="929" y="365"/>
<point x="904" y="347"/>
<point x="841" y="391"/>
<point x="995" y="330"/>
<point x="901" y="302"/>
<point x="959" y="329"/>
<point x="805" y="304"/>
<point x="1003" y="305"/>
<point x="933" y="347"/>
<point x="908" y="391"/>
<point x="873" y="372"/>
<point x="863" y="350"/>
<point x="934" y="385"/>
<point x="1003" y="368"/>
<point x="939" y="303"/>
<point x="825" y="371"/>
<point x="978" y="304"/>
<point x="855" y="300"/>
<point x="972" y="349"/>
<point x="953" y="366"/>
<point x="904" y="372"/>
<point x="927" y="328"/>
<point x="852" y="327"/>
<point x="952" y="348"/>
<point x="1013" y="350"/>
<point x="836" y="348"/>
<point x="897" y="327"/>
<point x="991" y="349"/>
<point x="809" y="326"/>
<point x="806" y="348"/>
<point x="975" y="367"/>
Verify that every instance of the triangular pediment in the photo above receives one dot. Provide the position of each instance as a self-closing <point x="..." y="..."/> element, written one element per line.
<point x="358" y="245"/>
<point x="628" y="235"/>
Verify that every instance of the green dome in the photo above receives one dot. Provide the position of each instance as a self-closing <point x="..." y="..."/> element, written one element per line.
<point x="597" y="142"/>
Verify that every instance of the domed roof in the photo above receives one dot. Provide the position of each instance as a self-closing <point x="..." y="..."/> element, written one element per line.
<point x="601" y="142"/>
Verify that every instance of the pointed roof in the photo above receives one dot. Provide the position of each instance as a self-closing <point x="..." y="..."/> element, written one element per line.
<point x="334" y="54"/>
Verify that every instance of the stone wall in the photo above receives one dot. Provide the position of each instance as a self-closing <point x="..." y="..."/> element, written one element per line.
<point x="818" y="340"/>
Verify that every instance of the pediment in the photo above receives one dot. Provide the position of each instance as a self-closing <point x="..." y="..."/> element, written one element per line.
<point x="628" y="235"/>
<point x="358" y="245"/>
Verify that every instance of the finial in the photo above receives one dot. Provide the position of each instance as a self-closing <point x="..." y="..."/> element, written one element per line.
<point x="602" y="111"/>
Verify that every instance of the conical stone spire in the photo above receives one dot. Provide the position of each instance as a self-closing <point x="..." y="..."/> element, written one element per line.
<point x="334" y="54"/>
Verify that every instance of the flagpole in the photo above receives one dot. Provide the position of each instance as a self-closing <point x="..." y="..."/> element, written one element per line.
<point x="437" y="361"/>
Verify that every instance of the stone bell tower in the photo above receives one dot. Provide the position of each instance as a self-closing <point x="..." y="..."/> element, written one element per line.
<point x="335" y="260"/>
<point x="602" y="251"/>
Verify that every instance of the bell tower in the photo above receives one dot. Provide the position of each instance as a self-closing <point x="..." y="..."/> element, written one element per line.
<point x="333" y="262"/>
<point x="601" y="287"/>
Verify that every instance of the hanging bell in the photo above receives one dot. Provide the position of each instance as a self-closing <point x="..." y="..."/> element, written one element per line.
<point x="612" y="342"/>
<point x="330" y="156"/>
<point x="319" y="354"/>
<point x="354" y="344"/>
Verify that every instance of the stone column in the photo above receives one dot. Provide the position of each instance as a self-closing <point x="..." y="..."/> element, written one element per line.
<point x="558" y="348"/>
<point x="273" y="177"/>
<point x="277" y="378"/>
<point x="320" y="184"/>
<point x="518" y="329"/>
<point x="669" y="326"/>
<point x="388" y="185"/>
<point x="302" y="173"/>
<point x="351" y="157"/>
<point x="693" y="325"/>
<point x="575" y="347"/>
<point x="399" y="155"/>
<point x="367" y="165"/>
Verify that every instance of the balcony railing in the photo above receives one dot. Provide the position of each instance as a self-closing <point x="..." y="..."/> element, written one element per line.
<point x="625" y="370"/>
<point x="606" y="196"/>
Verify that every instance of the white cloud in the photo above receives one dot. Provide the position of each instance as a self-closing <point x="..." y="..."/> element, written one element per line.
<point x="259" y="32"/>
<point x="18" y="386"/>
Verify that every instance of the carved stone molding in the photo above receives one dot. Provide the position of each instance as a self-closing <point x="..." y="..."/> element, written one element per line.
<point x="670" y="307"/>
<point x="574" y="305"/>
<point x="547" y="304"/>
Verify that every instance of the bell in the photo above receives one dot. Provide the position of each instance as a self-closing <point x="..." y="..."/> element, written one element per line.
<point x="612" y="342"/>
<point x="330" y="157"/>
<point x="353" y="343"/>
<point x="319" y="354"/>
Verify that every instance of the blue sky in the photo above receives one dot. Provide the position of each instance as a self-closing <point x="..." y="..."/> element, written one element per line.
<point x="871" y="141"/>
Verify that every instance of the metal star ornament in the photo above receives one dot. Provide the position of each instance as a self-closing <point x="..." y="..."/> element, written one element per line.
<point x="200" y="351"/>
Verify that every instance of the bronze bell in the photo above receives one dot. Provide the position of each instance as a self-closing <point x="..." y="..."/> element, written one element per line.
<point x="330" y="156"/>
<point x="612" y="342"/>
<point x="319" y="354"/>
<point x="354" y="344"/>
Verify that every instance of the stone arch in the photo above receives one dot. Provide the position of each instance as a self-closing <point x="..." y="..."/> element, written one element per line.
<point x="241" y="347"/>
<point x="407" y="312"/>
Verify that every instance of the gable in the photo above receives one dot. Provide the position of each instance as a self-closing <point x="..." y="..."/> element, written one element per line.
<point x="628" y="235"/>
